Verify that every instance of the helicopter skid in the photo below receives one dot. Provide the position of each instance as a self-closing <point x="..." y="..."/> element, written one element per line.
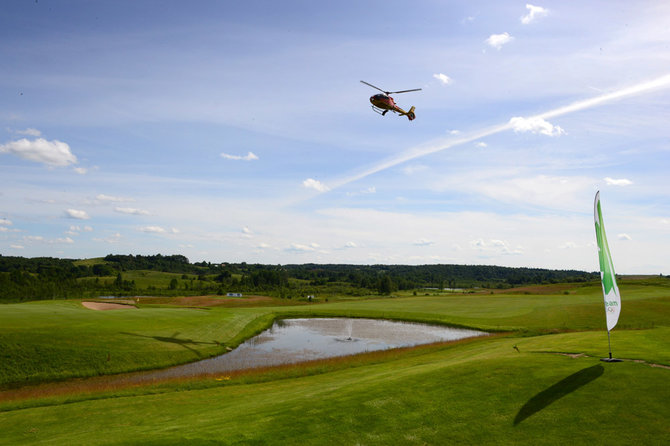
<point x="381" y="111"/>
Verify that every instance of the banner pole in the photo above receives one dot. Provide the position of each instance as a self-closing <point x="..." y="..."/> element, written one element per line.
<point x="609" y="343"/>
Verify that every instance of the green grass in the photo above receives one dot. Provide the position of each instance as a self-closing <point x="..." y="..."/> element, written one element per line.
<point x="482" y="391"/>
<point x="148" y="279"/>
<point x="91" y="262"/>
<point x="476" y="393"/>
<point x="53" y="340"/>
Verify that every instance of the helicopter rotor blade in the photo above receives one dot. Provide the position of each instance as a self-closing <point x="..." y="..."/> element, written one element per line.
<point x="389" y="92"/>
<point x="376" y="88"/>
<point x="404" y="91"/>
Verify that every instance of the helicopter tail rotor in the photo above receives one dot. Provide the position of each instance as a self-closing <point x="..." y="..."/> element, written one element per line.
<point x="410" y="114"/>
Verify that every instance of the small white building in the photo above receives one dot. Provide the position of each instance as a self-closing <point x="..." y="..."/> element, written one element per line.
<point x="233" y="294"/>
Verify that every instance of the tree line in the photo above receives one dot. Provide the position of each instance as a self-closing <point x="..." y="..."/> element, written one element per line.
<point x="38" y="278"/>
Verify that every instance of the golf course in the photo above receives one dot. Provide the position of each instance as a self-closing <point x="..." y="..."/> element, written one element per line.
<point x="536" y="379"/>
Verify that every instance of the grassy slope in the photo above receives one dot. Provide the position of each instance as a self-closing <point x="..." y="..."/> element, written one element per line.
<point x="145" y="279"/>
<point x="48" y="340"/>
<point x="476" y="392"/>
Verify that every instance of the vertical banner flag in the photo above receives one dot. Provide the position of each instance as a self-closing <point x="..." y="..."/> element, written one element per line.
<point x="610" y="288"/>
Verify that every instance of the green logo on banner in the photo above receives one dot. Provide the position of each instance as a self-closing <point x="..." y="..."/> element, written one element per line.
<point x="607" y="275"/>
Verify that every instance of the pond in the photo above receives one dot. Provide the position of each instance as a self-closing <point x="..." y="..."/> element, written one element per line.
<point x="297" y="340"/>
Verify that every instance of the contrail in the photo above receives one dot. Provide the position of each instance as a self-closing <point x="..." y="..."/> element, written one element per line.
<point x="443" y="144"/>
<point x="644" y="87"/>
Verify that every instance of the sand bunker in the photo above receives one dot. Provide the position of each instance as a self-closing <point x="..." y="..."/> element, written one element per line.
<point x="107" y="306"/>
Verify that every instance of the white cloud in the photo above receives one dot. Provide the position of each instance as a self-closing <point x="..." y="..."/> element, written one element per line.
<point x="442" y="78"/>
<point x="131" y="211"/>
<point x="545" y="191"/>
<point x="478" y="244"/>
<point x="29" y="132"/>
<point x="618" y="182"/>
<point x="369" y="190"/>
<point x="350" y="245"/>
<point x="6" y="222"/>
<point x="495" y="247"/>
<point x="66" y="240"/>
<point x="481" y="145"/>
<point x="423" y="242"/>
<point x="34" y="238"/>
<point x="297" y="247"/>
<point x="624" y="237"/>
<point x="79" y="215"/>
<point x="81" y="170"/>
<point x="317" y="185"/>
<point x="114" y="238"/>
<point x="535" y="125"/>
<point x="498" y="40"/>
<point x="103" y="197"/>
<point x="153" y="229"/>
<point x="248" y="157"/>
<point x="534" y="12"/>
<point x="16" y="246"/>
<point x="52" y="153"/>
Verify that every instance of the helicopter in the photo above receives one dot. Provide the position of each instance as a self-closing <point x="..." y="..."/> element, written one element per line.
<point x="382" y="103"/>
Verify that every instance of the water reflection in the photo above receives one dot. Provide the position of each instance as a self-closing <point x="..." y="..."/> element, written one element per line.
<point x="298" y="340"/>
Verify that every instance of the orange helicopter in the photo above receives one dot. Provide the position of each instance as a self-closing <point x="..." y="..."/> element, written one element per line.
<point x="382" y="103"/>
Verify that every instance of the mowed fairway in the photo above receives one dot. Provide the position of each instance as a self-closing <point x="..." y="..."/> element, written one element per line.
<point x="540" y="384"/>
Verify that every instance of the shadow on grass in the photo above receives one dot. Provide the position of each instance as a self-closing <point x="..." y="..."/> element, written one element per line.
<point x="186" y="343"/>
<point x="557" y="391"/>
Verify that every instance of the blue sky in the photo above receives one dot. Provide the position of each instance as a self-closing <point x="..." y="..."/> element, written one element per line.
<point x="239" y="131"/>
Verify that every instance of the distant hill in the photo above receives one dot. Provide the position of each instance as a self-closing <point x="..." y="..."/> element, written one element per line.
<point x="48" y="278"/>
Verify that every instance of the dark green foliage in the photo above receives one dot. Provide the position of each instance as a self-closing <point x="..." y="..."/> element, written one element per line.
<point x="170" y="264"/>
<point x="409" y="277"/>
<point x="49" y="278"/>
<point x="385" y="285"/>
<point x="102" y="270"/>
